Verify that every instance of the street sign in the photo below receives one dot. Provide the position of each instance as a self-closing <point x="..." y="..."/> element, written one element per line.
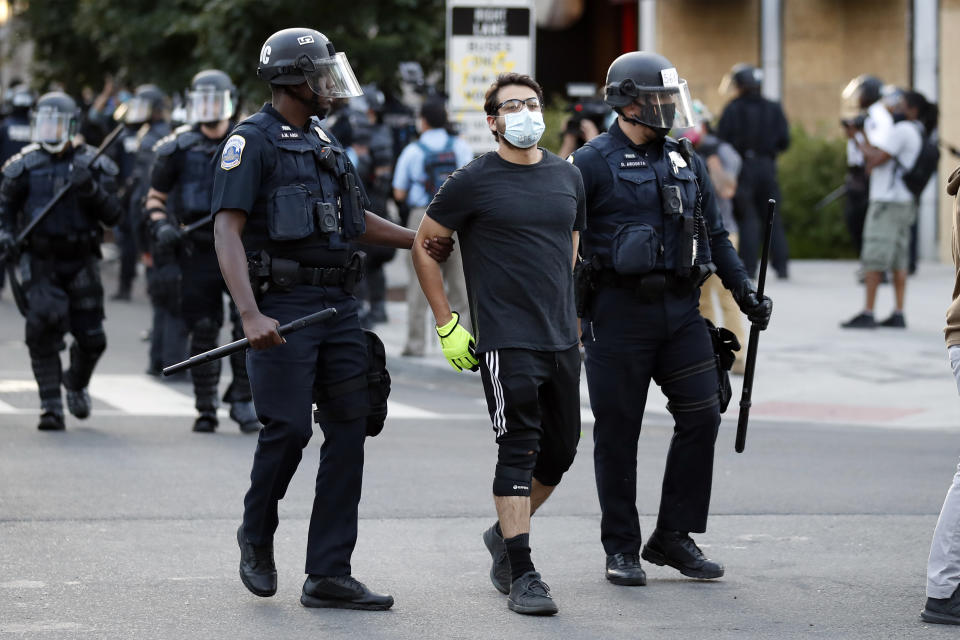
<point x="484" y="39"/>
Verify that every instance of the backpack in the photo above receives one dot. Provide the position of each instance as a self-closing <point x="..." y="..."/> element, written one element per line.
<point x="917" y="177"/>
<point x="437" y="165"/>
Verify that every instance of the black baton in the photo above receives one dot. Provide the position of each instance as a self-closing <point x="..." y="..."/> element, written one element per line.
<point x="243" y="343"/>
<point x="745" y="400"/>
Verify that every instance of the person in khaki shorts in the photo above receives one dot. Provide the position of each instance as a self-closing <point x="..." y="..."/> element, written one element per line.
<point x="892" y="210"/>
<point x="416" y="183"/>
<point x="943" y="565"/>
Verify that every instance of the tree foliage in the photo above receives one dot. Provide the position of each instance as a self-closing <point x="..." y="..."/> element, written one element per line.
<point x="165" y="43"/>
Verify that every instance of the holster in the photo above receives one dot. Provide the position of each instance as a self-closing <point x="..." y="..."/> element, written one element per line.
<point x="583" y="286"/>
<point x="376" y="380"/>
<point x="725" y="346"/>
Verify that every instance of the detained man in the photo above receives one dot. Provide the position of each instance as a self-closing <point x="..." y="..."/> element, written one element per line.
<point x="518" y="212"/>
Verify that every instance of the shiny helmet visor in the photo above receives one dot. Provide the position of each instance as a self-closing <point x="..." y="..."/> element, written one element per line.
<point x="666" y="108"/>
<point x="332" y="77"/>
<point x="52" y="127"/>
<point x="139" y="110"/>
<point x="207" y="104"/>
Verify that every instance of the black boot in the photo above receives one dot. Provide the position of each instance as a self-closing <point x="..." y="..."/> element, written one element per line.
<point x="342" y="592"/>
<point x="78" y="403"/>
<point x="51" y="421"/>
<point x="678" y="550"/>
<point x="624" y="569"/>
<point x="257" y="569"/>
<point x="206" y="422"/>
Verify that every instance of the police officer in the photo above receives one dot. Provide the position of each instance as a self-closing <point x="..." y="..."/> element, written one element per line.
<point x="15" y="127"/>
<point x="284" y="182"/>
<point x="757" y="129"/>
<point x="654" y="234"/>
<point x="179" y="196"/>
<point x="59" y="262"/>
<point x="147" y="120"/>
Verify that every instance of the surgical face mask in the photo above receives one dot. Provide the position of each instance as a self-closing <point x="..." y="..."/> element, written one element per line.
<point x="524" y="128"/>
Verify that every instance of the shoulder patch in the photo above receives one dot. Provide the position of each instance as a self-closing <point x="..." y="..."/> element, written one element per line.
<point x="166" y="145"/>
<point x="232" y="152"/>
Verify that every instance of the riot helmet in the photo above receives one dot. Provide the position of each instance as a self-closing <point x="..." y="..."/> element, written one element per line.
<point x="212" y="97"/>
<point x="54" y="121"/>
<point x="148" y="102"/>
<point x="20" y="98"/>
<point x="743" y="77"/>
<point x="294" y="56"/>
<point x="861" y="92"/>
<point x="651" y="82"/>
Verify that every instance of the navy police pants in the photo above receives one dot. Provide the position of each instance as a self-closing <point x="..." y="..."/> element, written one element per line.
<point x="628" y="342"/>
<point x="282" y="380"/>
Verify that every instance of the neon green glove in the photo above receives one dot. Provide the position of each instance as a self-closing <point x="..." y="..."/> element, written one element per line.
<point x="458" y="345"/>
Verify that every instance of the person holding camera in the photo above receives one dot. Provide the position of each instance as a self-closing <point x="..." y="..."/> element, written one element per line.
<point x="653" y="235"/>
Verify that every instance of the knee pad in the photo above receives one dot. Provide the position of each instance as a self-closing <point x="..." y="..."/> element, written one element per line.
<point x="515" y="464"/>
<point x="92" y="343"/>
<point x="512" y="481"/>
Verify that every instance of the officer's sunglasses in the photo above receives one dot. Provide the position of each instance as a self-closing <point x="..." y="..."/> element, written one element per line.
<point x="516" y="105"/>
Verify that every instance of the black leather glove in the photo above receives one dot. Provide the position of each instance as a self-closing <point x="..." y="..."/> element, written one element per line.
<point x="81" y="177"/>
<point x="165" y="234"/>
<point x="757" y="309"/>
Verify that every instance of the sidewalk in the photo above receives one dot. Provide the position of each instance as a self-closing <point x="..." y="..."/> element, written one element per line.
<point x="809" y="369"/>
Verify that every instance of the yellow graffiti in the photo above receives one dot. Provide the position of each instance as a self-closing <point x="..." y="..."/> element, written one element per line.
<point x="476" y="72"/>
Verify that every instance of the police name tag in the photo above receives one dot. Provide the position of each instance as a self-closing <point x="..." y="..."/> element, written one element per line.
<point x="232" y="152"/>
<point x="286" y="135"/>
<point x="633" y="164"/>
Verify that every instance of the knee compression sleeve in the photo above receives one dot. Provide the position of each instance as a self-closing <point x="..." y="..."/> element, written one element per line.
<point x="514" y="473"/>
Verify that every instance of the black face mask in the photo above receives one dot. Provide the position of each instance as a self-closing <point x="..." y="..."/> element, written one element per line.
<point x="316" y="107"/>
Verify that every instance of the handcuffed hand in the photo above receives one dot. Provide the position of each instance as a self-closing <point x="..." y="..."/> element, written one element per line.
<point x="458" y="345"/>
<point x="757" y="309"/>
<point x="438" y="248"/>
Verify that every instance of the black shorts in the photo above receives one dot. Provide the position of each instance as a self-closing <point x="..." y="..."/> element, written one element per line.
<point x="534" y="397"/>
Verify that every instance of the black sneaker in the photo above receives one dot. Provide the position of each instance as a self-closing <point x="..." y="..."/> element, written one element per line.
<point x="500" y="569"/>
<point x="342" y="592"/>
<point x="78" y="403"/>
<point x="243" y="413"/>
<point x="678" y="550"/>
<point x="530" y="595"/>
<point x="896" y="321"/>
<point x="862" y="320"/>
<point x="624" y="569"/>
<point x="942" y="610"/>
<point x="51" y="421"/>
<point x="257" y="569"/>
<point x="206" y="422"/>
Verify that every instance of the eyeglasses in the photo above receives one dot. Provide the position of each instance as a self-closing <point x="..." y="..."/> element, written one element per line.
<point x="515" y="105"/>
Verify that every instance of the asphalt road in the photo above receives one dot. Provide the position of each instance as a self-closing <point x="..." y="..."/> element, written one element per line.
<point x="123" y="526"/>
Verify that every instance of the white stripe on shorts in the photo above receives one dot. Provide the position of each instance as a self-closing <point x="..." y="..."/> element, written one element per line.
<point x="493" y="364"/>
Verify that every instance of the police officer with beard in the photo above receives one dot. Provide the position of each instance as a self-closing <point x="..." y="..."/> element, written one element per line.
<point x="59" y="267"/>
<point x="185" y="264"/>
<point x="285" y="183"/>
<point x="757" y="129"/>
<point x="654" y="234"/>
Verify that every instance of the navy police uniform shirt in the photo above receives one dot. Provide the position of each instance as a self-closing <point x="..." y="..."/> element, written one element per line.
<point x="246" y="177"/>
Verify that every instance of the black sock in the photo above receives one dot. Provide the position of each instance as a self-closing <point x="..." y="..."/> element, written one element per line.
<point x="497" y="529"/>
<point x="518" y="550"/>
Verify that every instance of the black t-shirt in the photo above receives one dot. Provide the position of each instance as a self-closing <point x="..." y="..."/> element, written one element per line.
<point x="515" y="223"/>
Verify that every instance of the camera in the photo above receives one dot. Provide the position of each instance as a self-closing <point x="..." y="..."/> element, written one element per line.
<point x="584" y="104"/>
<point x="326" y="217"/>
<point x="671" y="200"/>
<point x="856" y="122"/>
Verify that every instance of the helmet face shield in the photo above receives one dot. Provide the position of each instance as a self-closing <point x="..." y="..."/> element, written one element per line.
<point x="666" y="108"/>
<point x="52" y="128"/>
<point x="139" y="110"/>
<point x="207" y="104"/>
<point x="332" y="77"/>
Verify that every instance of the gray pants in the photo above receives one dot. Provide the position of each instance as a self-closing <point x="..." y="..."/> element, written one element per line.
<point x="943" y="566"/>
<point x="417" y="302"/>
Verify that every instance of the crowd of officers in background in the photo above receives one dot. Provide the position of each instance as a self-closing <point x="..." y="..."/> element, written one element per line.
<point x="740" y="148"/>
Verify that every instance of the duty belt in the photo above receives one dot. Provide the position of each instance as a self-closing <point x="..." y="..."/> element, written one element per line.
<point x="72" y="246"/>
<point x="649" y="286"/>
<point x="322" y="276"/>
